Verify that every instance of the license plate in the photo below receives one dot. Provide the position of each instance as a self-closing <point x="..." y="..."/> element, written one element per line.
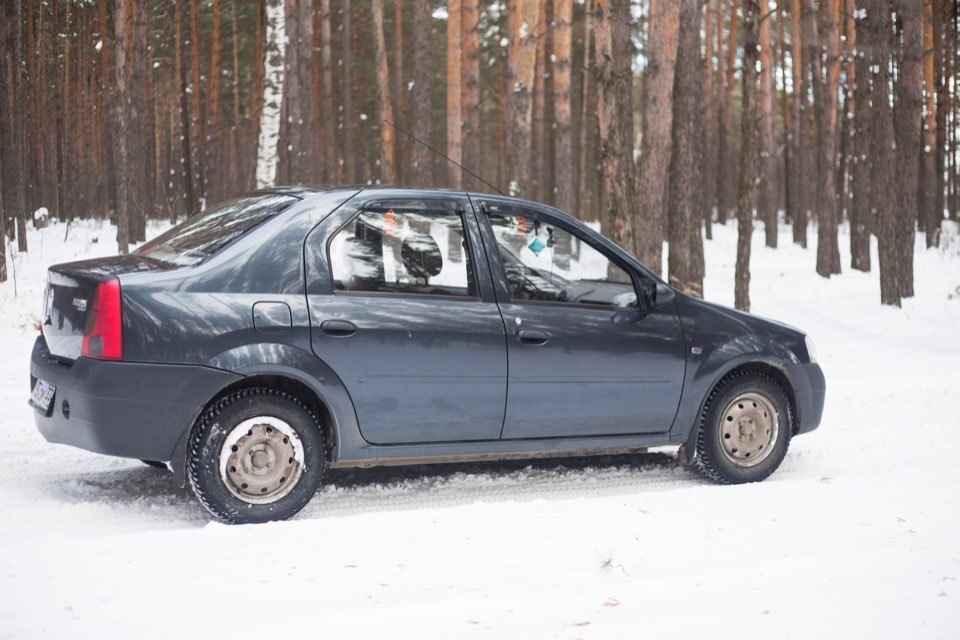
<point x="42" y="396"/>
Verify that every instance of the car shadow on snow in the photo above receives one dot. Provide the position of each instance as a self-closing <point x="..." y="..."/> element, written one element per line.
<point x="357" y="490"/>
<point x="150" y="495"/>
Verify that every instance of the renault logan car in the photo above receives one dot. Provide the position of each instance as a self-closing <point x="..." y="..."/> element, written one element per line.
<point x="291" y="330"/>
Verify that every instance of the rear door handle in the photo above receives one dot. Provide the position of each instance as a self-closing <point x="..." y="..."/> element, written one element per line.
<point x="340" y="328"/>
<point x="531" y="336"/>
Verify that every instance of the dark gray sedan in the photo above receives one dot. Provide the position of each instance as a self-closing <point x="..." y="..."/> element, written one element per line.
<point x="291" y="330"/>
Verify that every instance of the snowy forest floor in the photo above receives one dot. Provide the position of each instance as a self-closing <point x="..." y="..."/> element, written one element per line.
<point x="855" y="535"/>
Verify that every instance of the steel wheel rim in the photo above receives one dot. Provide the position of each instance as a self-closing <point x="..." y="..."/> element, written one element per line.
<point x="749" y="427"/>
<point x="261" y="460"/>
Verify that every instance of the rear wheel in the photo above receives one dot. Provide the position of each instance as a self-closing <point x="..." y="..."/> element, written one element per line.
<point x="256" y="455"/>
<point x="744" y="431"/>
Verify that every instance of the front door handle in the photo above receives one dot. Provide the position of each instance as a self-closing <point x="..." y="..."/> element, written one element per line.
<point x="531" y="336"/>
<point x="342" y="328"/>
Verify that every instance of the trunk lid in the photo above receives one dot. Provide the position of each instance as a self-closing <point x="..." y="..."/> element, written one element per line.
<point x="69" y="298"/>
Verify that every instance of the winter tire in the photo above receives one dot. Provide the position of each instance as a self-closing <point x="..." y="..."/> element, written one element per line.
<point x="256" y="455"/>
<point x="745" y="430"/>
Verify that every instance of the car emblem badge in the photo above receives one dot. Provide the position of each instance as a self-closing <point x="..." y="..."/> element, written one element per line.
<point x="696" y="350"/>
<point x="80" y="304"/>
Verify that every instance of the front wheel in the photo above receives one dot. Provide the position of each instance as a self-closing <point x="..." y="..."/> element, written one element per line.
<point x="256" y="455"/>
<point x="744" y="431"/>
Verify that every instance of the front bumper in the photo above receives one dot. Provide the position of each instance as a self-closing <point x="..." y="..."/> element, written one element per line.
<point x="127" y="409"/>
<point x="809" y="388"/>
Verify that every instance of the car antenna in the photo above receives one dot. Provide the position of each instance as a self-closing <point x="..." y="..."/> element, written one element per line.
<point x="448" y="159"/>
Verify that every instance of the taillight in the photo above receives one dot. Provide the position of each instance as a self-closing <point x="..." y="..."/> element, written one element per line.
<point x="103" y="334"/>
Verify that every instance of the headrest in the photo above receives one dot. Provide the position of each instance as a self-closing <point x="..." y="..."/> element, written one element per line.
<point x="421" y="255"/>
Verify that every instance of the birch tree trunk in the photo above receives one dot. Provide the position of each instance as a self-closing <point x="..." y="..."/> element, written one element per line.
<point x="272" y="95"/>
<point x="662" y="34"/>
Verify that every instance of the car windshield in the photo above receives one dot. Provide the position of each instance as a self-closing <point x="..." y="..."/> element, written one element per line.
<point x="198" y="238"/>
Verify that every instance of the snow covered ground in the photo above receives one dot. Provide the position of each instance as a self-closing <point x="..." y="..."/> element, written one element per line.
<point x="855" y="536"/>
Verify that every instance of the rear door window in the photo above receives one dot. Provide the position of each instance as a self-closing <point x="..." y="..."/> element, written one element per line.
<point x="393" y="250"/>
<point x="198" y="238"/>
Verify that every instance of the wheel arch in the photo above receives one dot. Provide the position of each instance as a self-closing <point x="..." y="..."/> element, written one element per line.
<point x="766" y="367"/>
<point x="322" y="403"/>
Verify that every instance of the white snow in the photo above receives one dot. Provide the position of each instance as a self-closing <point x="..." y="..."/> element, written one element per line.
<point x="855" y="535"/>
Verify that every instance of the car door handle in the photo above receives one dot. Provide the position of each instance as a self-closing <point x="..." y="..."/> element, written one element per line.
<point x="341" y="328"/>
<point x="531" y="336"/>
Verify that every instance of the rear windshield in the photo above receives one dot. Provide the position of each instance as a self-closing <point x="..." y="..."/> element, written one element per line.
<point x="196" y="239"/>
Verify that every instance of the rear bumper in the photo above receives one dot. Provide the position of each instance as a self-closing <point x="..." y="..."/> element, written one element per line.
<point x="127" y="409"/>
<point x="809" y="387"/>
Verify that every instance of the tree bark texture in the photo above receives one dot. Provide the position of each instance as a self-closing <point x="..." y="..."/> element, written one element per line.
<point x="421" y="166"/>
<point x="750" y="126"/>
<point x="685" y="262"/>
<point x="454" y="92"/>
<point x="662" y="36"/>
<point x="388" y="172"/>
<point x="521" y="62"/>
<point x="825" y="99"/>
<point x="615" y="118"/>
<point x="909" y="119"/>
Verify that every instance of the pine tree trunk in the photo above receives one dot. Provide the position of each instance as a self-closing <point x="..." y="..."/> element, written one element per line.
<point x="539" y="112"/>
<point x="399" y="95"/>
<point x="712" y="16"/>
<point x="257" y="83"/>
<point x="331" y="166"/>
<point x="661" y="48"/>
<point x="272" y="95"/>
<point x="214" y="117"/>
<point x="521" y="62"/>
<point x="809" y="147"/>
<point x="346" y="90"/>
<point x="750" y="149"/>
<point x="942" y="53"/>
<point x="909" y="138"/>
<point x="726" y="176"/>
<point x="126" y="182"/>
<point x="825" y="99"/>
<point x="18" y="166"/>
<point x="767" y="209"/>
<point x="863" y="198"/>
<point x="562" y="114"/>
<point x="471" y="86"/>
<point x="874" y="42"/>
<point x="586" y="122"/>
<point x="388" y="174"/>
<point x="421" y="169"/>
<point x="927" y="213"/>
<point x="454" y="92"/>
<point x="186" y="160"/>
<point x="198" y="144"/>
<point x="685" y="183"/>
<point x="797" y="207"/>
